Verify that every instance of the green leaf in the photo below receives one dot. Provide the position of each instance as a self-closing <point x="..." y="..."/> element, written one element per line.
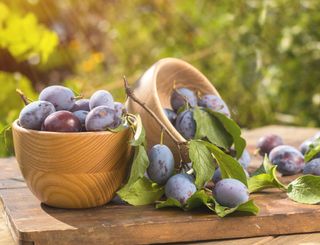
<point x="265" y="177"/>
<point x="140" y="134"/>
<point x="248" y="207"/>
<point x="141" y="192"/>
<point x="202" y="162"/>
<point x="200" y="198"/>
<point x="139" y="165"/>
<point x="203" y="198"/>
<point x="313" y="151"/>
<point x="305" y="189"/>
<point x="170" y="202"/>
<point x="230" y="168"/>
<point x="233" y="129"/>
<point x="211" y="128"/>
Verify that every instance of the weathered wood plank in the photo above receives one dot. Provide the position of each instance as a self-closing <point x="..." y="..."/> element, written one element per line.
<point x="244" y="241"/>
<point x="5" y="236"/>
<point x="313" y="239"/>
<point x="114" y="224"/>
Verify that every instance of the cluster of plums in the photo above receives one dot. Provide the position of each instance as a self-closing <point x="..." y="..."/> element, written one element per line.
<point x="289" y="160"/>
<point x="180" y="186"/>
<point x="183" y="100"/>
<point x="58" y="110"/>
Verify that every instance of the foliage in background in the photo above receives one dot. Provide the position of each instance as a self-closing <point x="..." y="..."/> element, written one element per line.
<point x="262" y="56"/>
<point x="25" y="39"/>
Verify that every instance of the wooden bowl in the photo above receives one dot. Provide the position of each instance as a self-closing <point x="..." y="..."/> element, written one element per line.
<point x="155" y="87"/>
<point x="72" y="170"/>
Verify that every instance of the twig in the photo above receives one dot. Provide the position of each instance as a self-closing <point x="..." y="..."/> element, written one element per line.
<point x="23" y="97"/>
<point x="131" y="94"/>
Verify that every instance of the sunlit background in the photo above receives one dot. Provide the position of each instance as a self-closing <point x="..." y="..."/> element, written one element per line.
<point x="262" y="56"/>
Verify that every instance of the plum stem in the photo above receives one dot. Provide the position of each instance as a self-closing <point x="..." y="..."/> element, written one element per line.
<point x="23" y="97"/>
<point x="131" y="94"/>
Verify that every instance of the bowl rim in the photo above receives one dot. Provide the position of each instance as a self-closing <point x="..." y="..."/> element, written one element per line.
<point x="157" y="66"/>
<point x="17" y="127"/>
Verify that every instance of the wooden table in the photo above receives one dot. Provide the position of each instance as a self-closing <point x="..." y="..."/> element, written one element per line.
<point x="28" y="221"/>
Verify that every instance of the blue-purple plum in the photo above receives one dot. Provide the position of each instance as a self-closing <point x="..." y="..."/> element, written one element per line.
<point x="267" y="143"/>
<point x="217" y="175"/>
<point x="119" y="108"/>
<point x="186" y="125"/>
<point x="116" y="123"/>
<point x="214" y="103"/>
<point x="62" y="121"/>
<point x="101" y="98"/>
<point x="180" y="187"/>
<point x="81" y="115"/>
<point x="171" y="115"/>
<point x="33" y="115"/>
<point x="61" y="97"/>
<point x="289" y="161"/>
<point x="161" y="166"/>
<point x="306" y="145"/>
<point x="181" y="96"/>
<point x="312" y="167"/>
<point x="100" y="119"/>
<point x="230" y="192"/>
<point x="245" y="159"/>
<point x="81" y="105"/>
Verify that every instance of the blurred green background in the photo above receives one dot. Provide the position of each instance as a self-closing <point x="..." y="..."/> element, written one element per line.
<point x="262" y="56"/>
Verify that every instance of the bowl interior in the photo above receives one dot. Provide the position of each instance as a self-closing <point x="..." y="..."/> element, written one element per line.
<point x="184" y="75"/>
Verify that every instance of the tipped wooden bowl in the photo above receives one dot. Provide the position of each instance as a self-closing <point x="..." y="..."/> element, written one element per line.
<point x="155" y="87"/>
<point x="72" y="170"/>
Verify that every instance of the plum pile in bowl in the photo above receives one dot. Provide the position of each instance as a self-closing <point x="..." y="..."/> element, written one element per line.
<point x="183" y="100"/>
<point x="58" y="110"/>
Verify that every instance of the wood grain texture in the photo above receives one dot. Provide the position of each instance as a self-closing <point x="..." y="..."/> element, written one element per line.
<point x="122" y="224"/>
<point x="72" y="170"/>
<point x="301" y="239"/>
<point x="244" y="241"/>
<point x="5" y="236"/>
<point x="155" y="87"/>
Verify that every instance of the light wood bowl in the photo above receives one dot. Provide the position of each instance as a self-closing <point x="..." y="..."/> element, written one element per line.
<point x="72" y="170"/>
<point x="155" y="88"/>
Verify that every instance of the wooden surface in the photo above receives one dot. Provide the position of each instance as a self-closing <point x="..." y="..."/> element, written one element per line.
<point x="72" y="170"/>
<point x="29" y="221"/>
<point x="155" y="87"/>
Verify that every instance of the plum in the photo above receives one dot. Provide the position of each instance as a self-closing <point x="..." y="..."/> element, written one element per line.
<point x="245" y="159"/>
<point x="289" y="161"/>
<point x="230" y="192"/>
<point x="181" y="96"/>
<point x="81" y="105"/>
<point x="267" y="143"/>
<point x="171" y="115"/>
<point x="62" y="121"/>
<point x="180" y="187"/>
<point x="100" y="119"/>
<point x="312" y="167"/>
<point x="101" y="98"/>
<point x="33" y="115"/>
<point x="161" y="165"/>
<point x="61" y="97"/>
<point x="186" y="125"/>
<point x="214" y="103"/>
